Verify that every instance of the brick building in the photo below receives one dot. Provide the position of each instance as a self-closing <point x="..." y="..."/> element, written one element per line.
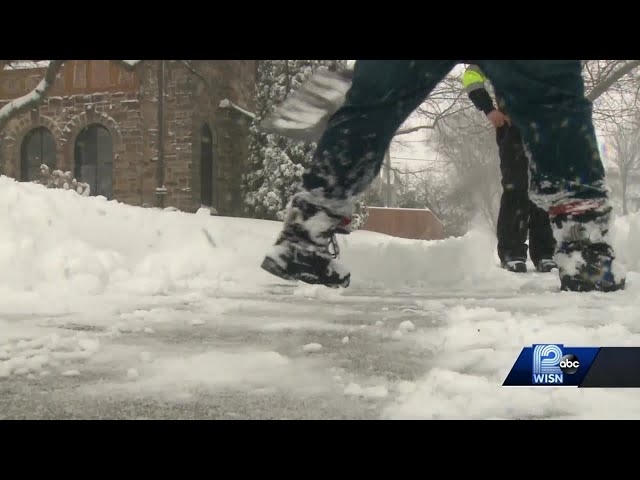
<point x="102" y="122"/>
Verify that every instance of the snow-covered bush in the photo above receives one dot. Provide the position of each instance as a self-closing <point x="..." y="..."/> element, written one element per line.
<point x="59" y="179"/>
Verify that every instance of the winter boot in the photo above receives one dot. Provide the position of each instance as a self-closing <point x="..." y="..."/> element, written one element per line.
<point x="515" y="265"/>
<point x="546" y="265"/>
<point x="585" y="257"/>
<point x="306" y="248"/>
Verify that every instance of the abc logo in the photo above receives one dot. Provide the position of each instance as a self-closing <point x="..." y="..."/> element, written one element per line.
<point x="569" y="364"/>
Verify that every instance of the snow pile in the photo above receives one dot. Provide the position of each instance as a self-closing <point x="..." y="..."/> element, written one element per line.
<point x="446" y="394"/>
<point x="625" y="235"/>
<point x="476" y="345"/>
<point x="130" y="270"/>
<point x="386" y="261"/>
<point x="57" y="244"/>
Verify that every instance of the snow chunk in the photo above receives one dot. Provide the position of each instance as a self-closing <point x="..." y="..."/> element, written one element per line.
<point x="407" y="326"/>
<point x="312" y="347"/>
<point x="378" y="391"/>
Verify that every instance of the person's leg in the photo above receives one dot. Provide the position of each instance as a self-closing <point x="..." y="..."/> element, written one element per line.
<point x="348" y="157"/>
<point x="538" y="227"/>
<point x="546" y="100"/>
<point x="382" y="95"/>
<point x="542" y="243"/>
<point x="513" y="217"/>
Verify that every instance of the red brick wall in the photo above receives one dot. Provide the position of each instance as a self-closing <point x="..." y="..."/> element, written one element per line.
<point x="126" y="104"/>
<point x="190" y="102"/>
<point x="410" y="223"/>
<point x="66" y="117"/>
<point x="75" y="77"/>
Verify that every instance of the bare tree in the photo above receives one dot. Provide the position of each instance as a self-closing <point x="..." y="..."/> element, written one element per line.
<point x="466" y="140"/>
<point x="463" y="180"/>
<point x="472" y="152"/>
<point x="444" y="101"/>
<point x="613" y="87"/>
<point x="602" y="76"/>
<point x="435" y="191"/>
<point x="626" y="159"/>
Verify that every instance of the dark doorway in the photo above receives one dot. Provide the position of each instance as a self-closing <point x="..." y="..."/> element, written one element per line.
<point x="38" y="147"/>
<point x="94" y="160"/>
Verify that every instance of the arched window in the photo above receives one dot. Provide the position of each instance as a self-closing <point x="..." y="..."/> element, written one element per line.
<point x="206" y="167"/>
<point x="38" y="147"/>
<point x="94" y="159"/>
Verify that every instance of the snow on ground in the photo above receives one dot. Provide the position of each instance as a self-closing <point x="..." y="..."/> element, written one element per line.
<point x="165" y="303"/>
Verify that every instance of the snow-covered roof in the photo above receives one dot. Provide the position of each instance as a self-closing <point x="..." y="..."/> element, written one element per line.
<point x="226" y="103"/>
<point x="26" y="64"/>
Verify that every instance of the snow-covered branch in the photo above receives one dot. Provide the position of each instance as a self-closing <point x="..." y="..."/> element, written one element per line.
<point x="226" y="103"/>
<point x="609" y="78"/>
<point x="406" y="131"/>
<point x="33" y="98"/>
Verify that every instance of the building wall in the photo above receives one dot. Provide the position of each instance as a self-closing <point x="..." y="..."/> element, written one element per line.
<point x="230" y="125"/>
<point x="126" y="103"/>
<point x="86" y="93"/>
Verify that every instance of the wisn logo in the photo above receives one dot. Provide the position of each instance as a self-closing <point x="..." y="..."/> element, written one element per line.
<point x="550" y="365"/>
